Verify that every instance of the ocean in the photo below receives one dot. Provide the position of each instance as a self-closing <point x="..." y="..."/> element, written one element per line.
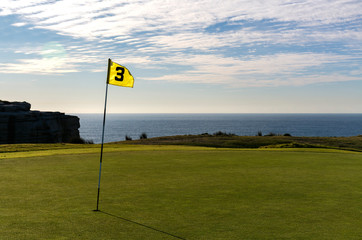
<point x="156" y="125"/>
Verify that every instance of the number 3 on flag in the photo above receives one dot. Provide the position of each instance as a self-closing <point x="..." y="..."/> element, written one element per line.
<point x="121" y="69"/>
<point x="119" y="75"/>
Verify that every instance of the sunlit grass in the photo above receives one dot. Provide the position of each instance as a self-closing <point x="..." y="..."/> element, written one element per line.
<point x="170" y="192"/>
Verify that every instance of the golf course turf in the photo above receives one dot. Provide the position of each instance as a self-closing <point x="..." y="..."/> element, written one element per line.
<point x="179" y="192"/>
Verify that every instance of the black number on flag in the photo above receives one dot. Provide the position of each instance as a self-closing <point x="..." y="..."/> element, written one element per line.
<point x="121" y="69"/>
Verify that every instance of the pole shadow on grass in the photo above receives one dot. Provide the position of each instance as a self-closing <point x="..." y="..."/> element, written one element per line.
<point x="142" y="225"/>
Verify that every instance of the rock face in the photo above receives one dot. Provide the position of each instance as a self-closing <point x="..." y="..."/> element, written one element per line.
<point x="20" y="125"/>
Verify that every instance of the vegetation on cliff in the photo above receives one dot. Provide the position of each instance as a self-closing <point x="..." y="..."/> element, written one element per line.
<point x="233" y="141"/>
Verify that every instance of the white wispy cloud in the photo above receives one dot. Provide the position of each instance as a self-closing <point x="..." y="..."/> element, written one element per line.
<point x="269" y="70"/>
<point x="89" y="19"/>
<point x="41" y="66"/>
<point x="185" y="33"/>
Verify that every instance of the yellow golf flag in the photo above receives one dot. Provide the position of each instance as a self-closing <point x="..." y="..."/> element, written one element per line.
<point x="119" y="75"/>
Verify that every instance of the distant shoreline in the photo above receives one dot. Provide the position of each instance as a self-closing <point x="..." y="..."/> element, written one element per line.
<point x="158" y="125"/>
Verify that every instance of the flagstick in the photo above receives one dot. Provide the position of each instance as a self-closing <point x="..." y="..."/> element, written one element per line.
<point x="104" y="123"/>
<point x="100" y="161"/>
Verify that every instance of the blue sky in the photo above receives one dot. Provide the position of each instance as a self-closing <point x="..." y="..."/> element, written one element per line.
<point x="272" y="56"/>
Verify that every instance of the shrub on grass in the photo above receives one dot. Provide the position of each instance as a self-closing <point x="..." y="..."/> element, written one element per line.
<point x="271" y="134"/>
<point x="143" y="135"/>
<point x="128" y="138"/>
<point x="259" y="134"/>
<point x="224" y="134"/>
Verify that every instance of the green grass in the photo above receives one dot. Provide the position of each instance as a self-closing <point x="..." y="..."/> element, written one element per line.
<point x="165" y="192"/>
<point x="345" y="143"/>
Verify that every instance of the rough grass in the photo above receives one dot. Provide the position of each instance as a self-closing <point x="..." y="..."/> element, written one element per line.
<point x="345" y="143"/>
<point x="173" y="192"/>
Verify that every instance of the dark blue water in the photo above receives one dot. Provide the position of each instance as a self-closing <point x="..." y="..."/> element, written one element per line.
<point x="155" y="125"/>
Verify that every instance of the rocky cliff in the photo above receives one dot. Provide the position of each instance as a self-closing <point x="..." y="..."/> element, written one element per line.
<point x="18" y="124"/>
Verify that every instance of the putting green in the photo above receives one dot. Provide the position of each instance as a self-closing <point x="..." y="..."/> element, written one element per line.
<point x="171" y="192"/>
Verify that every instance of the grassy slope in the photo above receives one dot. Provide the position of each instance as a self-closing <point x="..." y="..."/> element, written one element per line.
<point x="190" y="192"/>
<point x="346" y="143"/>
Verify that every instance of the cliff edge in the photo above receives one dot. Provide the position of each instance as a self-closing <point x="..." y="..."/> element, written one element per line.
<point x="18" y="124"/>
